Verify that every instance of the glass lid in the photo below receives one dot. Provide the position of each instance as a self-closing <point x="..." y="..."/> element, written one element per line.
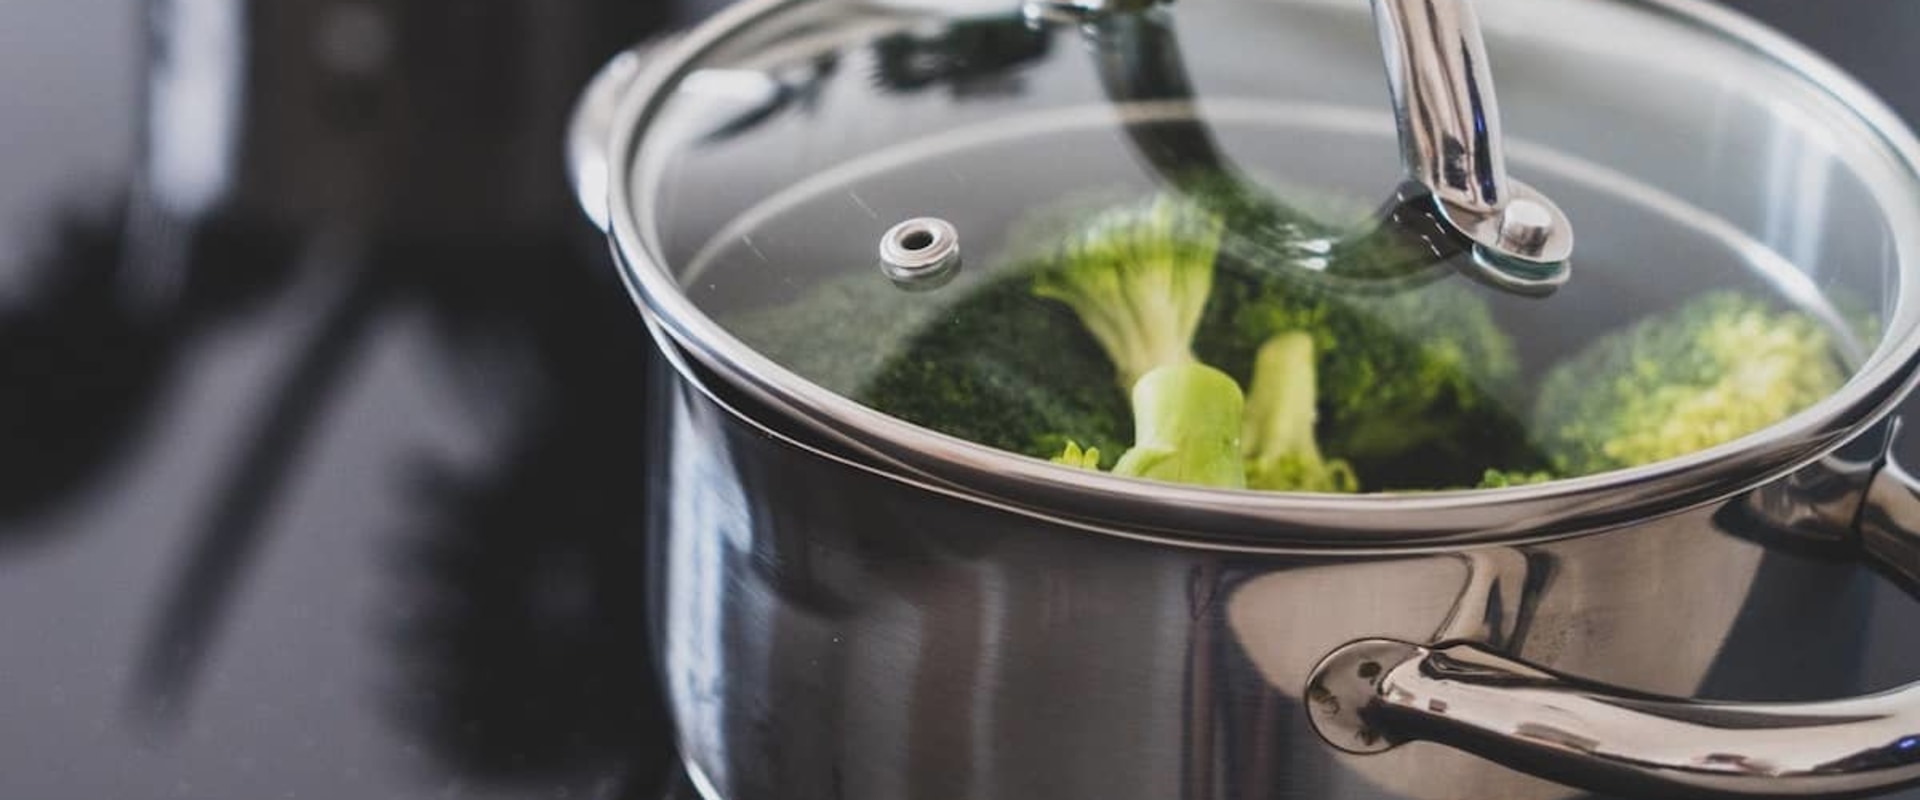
<point x="1196" y="243"/>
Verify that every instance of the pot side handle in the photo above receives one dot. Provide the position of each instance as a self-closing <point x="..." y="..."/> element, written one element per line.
<point x="1889" y="522"/>
<point x="1373" y="695"/>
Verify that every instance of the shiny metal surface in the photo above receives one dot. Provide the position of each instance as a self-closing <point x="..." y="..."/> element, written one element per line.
<point x="849" y="607"/>
<point x="921" y="253"/>
<point x="1244" y="520"/>
<point x="1524" y="247"/>
<point x="1373" y="695"/>
<point x="828" y="631"/>
<point x="1443" y="94"/>
<point x="1821" y="507"/>
<point x="1144" y="71"/>
<point x="1444" y="107"/>
<point x="1084" y="9"/>
<point x="1595" y="736"/>
<point x="1451" y="141"/>
<point x="590" y="129"/>
<point x="1890" y="522"/>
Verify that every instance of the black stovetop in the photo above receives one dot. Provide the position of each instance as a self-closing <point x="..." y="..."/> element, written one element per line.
<point x="317" y="401"/>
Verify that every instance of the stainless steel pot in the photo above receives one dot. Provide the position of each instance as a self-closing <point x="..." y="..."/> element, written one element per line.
<point x="853" y="607"/>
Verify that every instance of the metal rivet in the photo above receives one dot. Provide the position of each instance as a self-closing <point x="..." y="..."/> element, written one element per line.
<point x="1526" y="226"/>
<point x="1345" y="686"/>
<point x="1525" y="247"/>
<point x="921" y="253"/>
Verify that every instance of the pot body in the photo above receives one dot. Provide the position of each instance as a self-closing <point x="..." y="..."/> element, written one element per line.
<point x="829" y="632"/>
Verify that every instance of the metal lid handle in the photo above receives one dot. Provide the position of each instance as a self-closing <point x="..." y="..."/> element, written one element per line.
<point x="1443" y="97"/>
<point x="1451" y="141"/>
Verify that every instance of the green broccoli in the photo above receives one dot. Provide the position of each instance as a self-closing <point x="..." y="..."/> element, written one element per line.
<point x="960" y="360"/>
<point x="1418" y="382"/>
<point x="1413" y="384"/>
<point x="844" y="333"/>
<point x="1502" y="479"/>
<point x="1186" y="420"/>
<point x="1074" y="456"/>
<point x="1139" y="279"/>
<point x="1417" y="386"/>
<point x="1722" y="366"/>
<point x="1281" y="446"/>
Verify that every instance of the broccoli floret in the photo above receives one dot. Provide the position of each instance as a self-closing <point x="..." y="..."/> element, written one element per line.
<point x="1074" y="456"/>
<point x="844" y="332"/>
<point x="1415" y="385"/>
<point x="1007" y="370"/>
<point x="1418" y="383"/>
<point x="1139" y="279"/>
<point x="1501" y="479"/>
<point x="962" y="361"/>
<point x="1281" y="446"/>
<point x="1720" y="367"/>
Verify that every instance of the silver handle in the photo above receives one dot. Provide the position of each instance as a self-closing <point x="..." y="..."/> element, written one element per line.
<point x="1443" y="98"/>
<point x="1373" y="695"/>
<point x="1889" y="523"/>
<point x="1451" y="141"/>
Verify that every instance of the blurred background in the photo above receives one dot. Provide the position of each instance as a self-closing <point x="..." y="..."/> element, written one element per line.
<point x="318" y="474"/>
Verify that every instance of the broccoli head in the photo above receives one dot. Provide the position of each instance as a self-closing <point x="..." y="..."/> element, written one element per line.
<point x="1139" y="278"/>
<point x="1722" y="366"/>
<point x="1416" y="385"/>
<point x="961" y="361"/>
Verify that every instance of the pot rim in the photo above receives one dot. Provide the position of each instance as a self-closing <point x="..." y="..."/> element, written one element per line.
<point x="1164" y="511"/>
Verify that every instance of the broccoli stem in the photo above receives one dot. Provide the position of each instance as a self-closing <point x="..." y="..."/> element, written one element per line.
<point x="1186" y="427"/>
<point x="1282" y="451"/>
<point x="1139" y="281"/>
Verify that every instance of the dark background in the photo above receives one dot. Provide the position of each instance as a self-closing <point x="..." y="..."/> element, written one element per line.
<point x="316" y="464"/>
